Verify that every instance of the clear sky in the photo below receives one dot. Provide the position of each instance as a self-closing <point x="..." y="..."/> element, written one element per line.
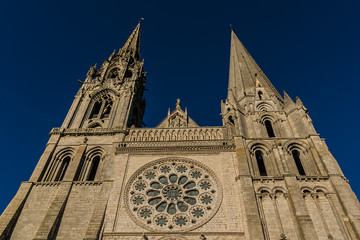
<point x="308" y="48"/>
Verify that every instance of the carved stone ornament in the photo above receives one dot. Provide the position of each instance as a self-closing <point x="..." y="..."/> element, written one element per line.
<point x="173" y="194"/>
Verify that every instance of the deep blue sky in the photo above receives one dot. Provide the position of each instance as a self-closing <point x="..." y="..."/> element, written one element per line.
<point x="308" y="48"/>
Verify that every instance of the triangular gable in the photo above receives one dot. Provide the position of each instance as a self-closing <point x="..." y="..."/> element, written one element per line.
<point x="177" y="119"/>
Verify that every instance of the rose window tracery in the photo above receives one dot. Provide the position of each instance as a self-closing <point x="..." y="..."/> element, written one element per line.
<point x="173" y="194"/>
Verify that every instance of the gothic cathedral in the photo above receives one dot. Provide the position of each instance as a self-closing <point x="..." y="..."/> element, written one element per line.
<point x="264" y="174"/>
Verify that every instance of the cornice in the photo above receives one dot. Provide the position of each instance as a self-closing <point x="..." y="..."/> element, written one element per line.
<point x="197" y="145"/>
<point x="88" y="131"/>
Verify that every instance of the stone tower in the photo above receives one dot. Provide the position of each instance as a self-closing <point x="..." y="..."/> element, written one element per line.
<point x="264" y="174"/>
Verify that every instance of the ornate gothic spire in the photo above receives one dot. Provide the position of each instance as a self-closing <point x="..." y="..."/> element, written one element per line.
<point x="132" y="45"/>
<point x="244" y="74"/>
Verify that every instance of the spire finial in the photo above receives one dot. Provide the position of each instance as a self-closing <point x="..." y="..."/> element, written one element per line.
<point x="231" y="28"/>
<point x="141" y="19"/>
<point x="178" y="103"/>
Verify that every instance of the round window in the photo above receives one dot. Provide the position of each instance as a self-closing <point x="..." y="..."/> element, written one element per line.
<point x="173" y="194"/>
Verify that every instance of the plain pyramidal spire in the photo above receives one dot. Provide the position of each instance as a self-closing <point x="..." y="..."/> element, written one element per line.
<point x="244" y="73"/>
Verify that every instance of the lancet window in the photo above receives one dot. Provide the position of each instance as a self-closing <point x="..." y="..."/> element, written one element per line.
<point x="89" y="167"/>
<point x="260" y="163"/>
<point x="269" y="128"/>
<point x="296" y="156"/>
<point x="57" y="167"/>
<point x="62" y="170"/>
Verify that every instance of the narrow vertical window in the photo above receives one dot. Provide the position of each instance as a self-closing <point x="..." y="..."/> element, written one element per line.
<point x="94" y="166"/>
<point x="96" y="109"/>
<point x="260" y="163"/>
<point x="296" y="156"/>
<point x="107" y="107"/>
<point x="64" y="165"/>
<point x="260" y="94"/>
<point x="269" y="128"/>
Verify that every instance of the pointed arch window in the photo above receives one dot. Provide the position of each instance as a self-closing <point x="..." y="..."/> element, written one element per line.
<point x="57" y="166"/>
<point x="269" y="129"/>
<point x="96" y="109"/>
<point x="260" y="163"/>
<point x="93" y="169"/>
<point x="62" y="170"/>
<point x="88" y="169"/>
<point x="102" y="107"/>
<point x="296" y="156"/>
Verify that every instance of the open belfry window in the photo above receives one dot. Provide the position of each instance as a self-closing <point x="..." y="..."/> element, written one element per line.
<point x="102" y="107"/>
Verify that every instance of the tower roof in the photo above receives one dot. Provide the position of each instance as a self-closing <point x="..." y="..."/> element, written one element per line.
<point x="244" y="74"/>
<point x="132" y="45"/>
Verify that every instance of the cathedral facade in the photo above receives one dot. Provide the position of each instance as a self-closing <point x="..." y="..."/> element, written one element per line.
<point x="264" y="174"/>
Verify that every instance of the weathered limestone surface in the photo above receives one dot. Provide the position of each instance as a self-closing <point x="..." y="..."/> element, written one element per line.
<point x="264" y="174"/>
<point x="9" y="217"/>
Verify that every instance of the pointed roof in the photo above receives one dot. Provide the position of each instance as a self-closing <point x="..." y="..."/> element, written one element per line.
<point x="177" y="118"/>
<point x="244" y="73"/>
<point x="133" y="42"/>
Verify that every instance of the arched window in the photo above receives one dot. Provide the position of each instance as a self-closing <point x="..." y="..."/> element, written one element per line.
<point x="102" y="107"/>
<point x="296" y="156"/>
<point x="260" y="163"/>
<point x="88" y="168"/>
<point x="269" y="128"/>
<point x="260" y="94"/>
<point x="93" y="169"/>
<point x="61" y="172"/>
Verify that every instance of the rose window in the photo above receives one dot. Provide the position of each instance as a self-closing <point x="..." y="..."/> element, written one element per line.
<point x="173" y="194"/>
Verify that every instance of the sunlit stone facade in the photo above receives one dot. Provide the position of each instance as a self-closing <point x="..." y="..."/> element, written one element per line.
<point x="264" y="174"/>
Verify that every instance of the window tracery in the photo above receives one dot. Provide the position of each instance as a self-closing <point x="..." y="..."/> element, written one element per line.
<point x="173" y="194"/>
<point x="101" y="107"/>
